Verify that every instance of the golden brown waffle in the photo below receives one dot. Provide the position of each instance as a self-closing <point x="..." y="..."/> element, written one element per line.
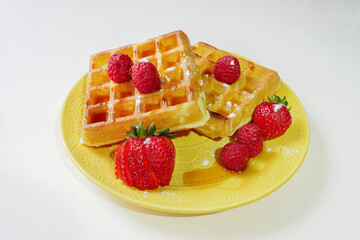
<point x="231" y="106"/>
<point x="111" y="107"/>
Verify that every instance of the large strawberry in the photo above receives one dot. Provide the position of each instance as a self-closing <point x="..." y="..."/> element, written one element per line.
<point x="273" y="117"/>
<point x="147" y="160"/>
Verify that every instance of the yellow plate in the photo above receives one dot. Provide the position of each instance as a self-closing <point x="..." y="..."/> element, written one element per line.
<point x="199" y="184"/>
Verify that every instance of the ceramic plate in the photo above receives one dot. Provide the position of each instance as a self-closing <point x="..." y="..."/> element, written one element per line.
<point x="199" y="184"/>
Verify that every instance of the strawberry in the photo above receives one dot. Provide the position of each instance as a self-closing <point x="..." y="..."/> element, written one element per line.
<point x="273" y="117"/>
<point x="145" y="76"/>
<point x="234" y="157"/>
<point x="118" y="154"/>
<point x="147" y="160"/>
<point x="160" y="152"/>
<point x="250" y="136"/>
<point x="142" y="175"/>
<point x="121" y="165"/>
<point x="119" y="67"/>
<point x="227" y="69"/>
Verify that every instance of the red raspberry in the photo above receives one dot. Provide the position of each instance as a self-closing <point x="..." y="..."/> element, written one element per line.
<point x="250" y="137"/>
<point x="227" y="69"/>
<point x="234" y="157"/>
<point x="119" y="67"/>
<point x="145" y="76"/>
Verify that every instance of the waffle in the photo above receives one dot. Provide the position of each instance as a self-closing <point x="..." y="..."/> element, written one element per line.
<point x="111" y="107"/>
<point x="231" y="106"/>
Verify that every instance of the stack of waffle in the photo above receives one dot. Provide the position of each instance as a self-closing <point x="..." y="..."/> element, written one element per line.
<point x="189" y="98"/>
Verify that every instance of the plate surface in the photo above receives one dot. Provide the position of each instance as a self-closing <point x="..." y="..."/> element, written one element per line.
<point x="199" y="184"/>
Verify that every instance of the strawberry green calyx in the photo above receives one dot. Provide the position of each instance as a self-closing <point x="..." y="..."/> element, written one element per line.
<point x="140" y="131"/>
<point x="277" y="99"/>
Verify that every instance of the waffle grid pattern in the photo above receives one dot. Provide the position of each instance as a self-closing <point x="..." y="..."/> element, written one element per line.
<point x="108" y="102"/>
<point x="231" y="106"/>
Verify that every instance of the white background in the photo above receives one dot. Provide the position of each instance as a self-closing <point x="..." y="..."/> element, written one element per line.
<point x="45" y="48"/>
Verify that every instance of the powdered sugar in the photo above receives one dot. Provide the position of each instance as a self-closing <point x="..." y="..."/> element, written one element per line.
<point x="147" y="141"/>
<point x="143" y="60"/>
<point x="167" y="193"/>
<point x="138" y="103"/>
<point x="231" y="115"/>
<point x="205" y="162"/>
<point x="170" y="69"/>
<point x="277" y="107"/>
<point x="110" y="105"/>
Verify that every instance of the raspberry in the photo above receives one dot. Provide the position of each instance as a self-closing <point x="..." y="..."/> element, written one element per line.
<point x="234" y="157"/>
<point x="119" y="67"/>
<point x="145" y="77"/>
<point x="250" y="136"/>
<point x="227" y="69"/>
